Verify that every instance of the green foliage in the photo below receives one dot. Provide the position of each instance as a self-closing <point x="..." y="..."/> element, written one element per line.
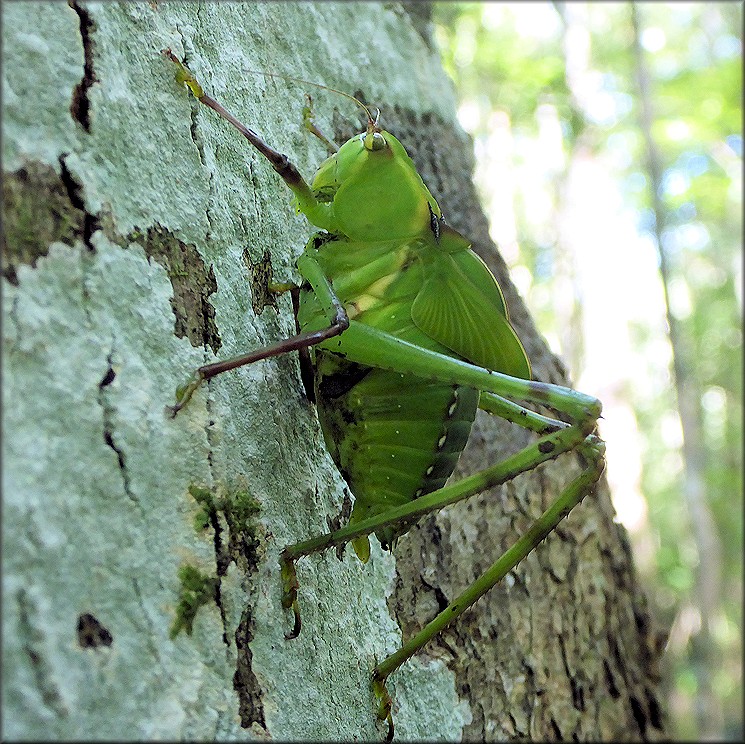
<point x="195" y="590"/>
<point x="576" y="61"/>
<point x="235" y="513"/>
<point x="203" y="496"/>
<point x="232" y="512"/>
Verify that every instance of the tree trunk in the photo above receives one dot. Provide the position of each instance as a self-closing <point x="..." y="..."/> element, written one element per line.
<point x="141" y="586"/>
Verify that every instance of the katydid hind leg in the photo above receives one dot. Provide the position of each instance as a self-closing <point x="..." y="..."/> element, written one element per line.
<point x="591" y="451"/>
<point x="372" y="347"/>
<point x="517" y="414"/>
<point x="369" y="346"/>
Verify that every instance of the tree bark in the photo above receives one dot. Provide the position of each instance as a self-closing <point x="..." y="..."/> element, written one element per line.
<point x="141" y="587"/>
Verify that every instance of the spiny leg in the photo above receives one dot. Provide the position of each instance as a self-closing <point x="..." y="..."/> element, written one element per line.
<point x="517" y="414"/>
<point x="591" y="450"/>
<point x="546" y="448"/>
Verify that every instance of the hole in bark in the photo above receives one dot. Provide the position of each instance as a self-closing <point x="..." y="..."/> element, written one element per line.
<point x="91" y="633"/>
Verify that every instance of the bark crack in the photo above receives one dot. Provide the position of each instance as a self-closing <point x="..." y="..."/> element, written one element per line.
<point x="151" y="634"/>
<point x="245" y="683"/>
<point x="198" y="140"/>
<point x="578" y="695"/>
<point x="75" y="194"/>
<point x="80" y="103"/>
<point x="236" y="539"/>
<point x="32" y="640"/>
<point x="222" y="552"/>
<point x="108" y="412"/>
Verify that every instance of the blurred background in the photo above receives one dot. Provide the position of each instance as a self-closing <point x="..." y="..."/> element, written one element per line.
<point x="608" y="140"/>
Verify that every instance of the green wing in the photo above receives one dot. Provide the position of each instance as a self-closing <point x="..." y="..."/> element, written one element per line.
<point x="462" y="307"/>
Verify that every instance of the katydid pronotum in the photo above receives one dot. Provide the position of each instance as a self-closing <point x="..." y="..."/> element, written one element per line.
<point x="408" y="334"/>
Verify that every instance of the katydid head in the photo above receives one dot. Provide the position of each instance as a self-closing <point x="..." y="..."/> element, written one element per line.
<point x="372" y="185"/>
<point x="375" y="189"/>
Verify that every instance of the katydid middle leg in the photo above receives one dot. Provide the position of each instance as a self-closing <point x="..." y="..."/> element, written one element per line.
<point x="337" y="322"/>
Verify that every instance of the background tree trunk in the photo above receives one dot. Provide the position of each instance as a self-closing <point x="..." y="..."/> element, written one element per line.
<point x="139" y="230"/>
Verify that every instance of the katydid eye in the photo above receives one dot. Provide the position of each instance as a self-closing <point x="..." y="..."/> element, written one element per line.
<point x="375" y="141"/>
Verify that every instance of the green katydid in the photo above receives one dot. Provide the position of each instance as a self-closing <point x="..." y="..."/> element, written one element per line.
<point x="408" y="334"/>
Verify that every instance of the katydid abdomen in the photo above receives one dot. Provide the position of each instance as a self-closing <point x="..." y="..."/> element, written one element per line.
<point x="393" y="437"/>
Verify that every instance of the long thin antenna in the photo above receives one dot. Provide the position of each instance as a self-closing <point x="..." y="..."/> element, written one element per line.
<point x="317" y="85"/>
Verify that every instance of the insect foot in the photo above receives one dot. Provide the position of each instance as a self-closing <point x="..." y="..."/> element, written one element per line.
<point x="184" y="393"/>
<point x="384" y="702"/>
<point x="289" y="592"/>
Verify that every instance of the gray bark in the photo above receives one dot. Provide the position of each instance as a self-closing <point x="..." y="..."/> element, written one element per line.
<point x="138" y="232"/>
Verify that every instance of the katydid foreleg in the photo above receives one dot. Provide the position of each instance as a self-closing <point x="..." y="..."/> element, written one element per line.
<point x="317" y="212"/>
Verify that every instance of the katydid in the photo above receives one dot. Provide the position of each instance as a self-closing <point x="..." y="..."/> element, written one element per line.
<point x="409" y="335"/>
